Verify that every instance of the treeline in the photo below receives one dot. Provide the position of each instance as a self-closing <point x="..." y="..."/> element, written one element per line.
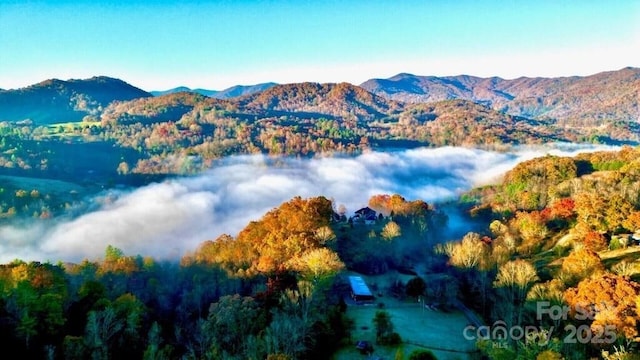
<point x="559" y="235"/>
<point x="269" y="293"/>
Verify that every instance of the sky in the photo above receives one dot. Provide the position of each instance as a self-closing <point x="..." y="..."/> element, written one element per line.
<point x="157" y="45"/>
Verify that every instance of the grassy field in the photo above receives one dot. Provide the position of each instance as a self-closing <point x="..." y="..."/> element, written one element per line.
<point x="44" y="185"/>
<point x="420" y="328"/>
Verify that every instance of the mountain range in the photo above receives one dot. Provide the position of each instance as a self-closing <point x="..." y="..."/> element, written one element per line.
<point x="606" y="103"/>
<point x="606" y="96"/>
<point x="231" y="92"/>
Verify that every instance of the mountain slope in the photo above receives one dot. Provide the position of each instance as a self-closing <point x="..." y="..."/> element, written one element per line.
<point x="59" y="101"/>
<point x="242" y="90"/>
<point x="589" y="100"/>
<point x="339" y="100"/>
<point x="170" y="107"/>
<point x="463" y="122"/>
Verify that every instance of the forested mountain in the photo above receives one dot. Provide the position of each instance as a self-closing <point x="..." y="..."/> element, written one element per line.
<point x="231" y="92"/>
<point x="337" y="100"/>
<point x="554" y="231"/>
<point x="577" y="101"/>
<point x="170" y="107"/>
<point x="602" y="107"/>
<point x="239" y="90"/>
<point x="56" y="101"/>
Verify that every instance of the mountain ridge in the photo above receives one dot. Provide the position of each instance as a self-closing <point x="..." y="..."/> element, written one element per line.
<point x="605" y="105"/>
<point x="608" y="95"/>
<point x="55" y="100"/>
<point x="230" y="92"/>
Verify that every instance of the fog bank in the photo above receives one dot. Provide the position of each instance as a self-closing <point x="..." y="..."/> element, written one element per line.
<point x="167" y="219"/>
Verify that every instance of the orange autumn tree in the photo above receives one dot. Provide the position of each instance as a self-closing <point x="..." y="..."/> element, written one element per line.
<point x="286" y="232"/>
<point x="276" y="242"/>
<point x="611" y="300"/>
<point x="595" y="241"/>
<point x="579" y="264"/>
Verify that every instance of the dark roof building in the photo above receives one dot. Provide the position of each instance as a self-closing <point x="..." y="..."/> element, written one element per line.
<point x="366" y="214"/>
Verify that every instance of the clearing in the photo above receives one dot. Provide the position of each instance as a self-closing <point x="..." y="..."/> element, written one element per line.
<point x="440" y="331"/>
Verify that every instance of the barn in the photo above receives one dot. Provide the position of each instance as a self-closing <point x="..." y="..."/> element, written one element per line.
<point x="359" y="290"/>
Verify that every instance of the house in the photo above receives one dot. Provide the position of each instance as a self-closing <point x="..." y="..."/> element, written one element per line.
<point x="635" y="238"/>
<point x="359" y="290"/>
<point x="366" y="215"/>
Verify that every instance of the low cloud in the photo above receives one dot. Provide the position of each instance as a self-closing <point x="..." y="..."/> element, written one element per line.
<point x="165" y="220"/>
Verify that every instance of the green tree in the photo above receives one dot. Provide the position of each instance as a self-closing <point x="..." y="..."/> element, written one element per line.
<point x="422" y="355"/>
<point x="385" y="333"/>
<point x="415" y="287"/>
<point x="231" y="321"/>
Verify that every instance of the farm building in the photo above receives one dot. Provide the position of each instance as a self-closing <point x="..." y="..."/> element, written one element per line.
<point x="359" y="290"/>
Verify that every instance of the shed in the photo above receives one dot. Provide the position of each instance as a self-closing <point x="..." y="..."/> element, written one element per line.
<point x="359" y="290"/>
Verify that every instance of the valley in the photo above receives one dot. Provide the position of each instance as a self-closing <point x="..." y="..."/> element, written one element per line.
<point x="187" y="226"/>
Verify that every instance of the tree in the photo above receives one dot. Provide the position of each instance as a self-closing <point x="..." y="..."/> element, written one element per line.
<point x="155" y="350"/>
<point x="471" y="252"/>
<point x="325" y="235"/>
<point x="285" y="232"/>
<point x="514" y="280"/>
<point x="113" y="254"/>
<point x="286" y="335"/>
<point x="595" y="241"/>
<point x="123" y="168"/>
<point x="318" y="264"/>
<point x="632" y="222"/>
<point x="532" y="229"/>
<point x="384" y="328"/>
<point x="102" y="327"/>
<point x="609" y="300"/>
<point x="588" y="207"/>
<point x="422" y="355"/>
<point x="580" y="263"/>
<point x="231" y="321"/>
<point x="391" y="231"/>
<point x="416" y="286"/>
<point x="130" y="311"/>
<point x="617" y="212"/>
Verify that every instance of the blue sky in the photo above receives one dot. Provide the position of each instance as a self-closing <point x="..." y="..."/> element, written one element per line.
<point x="157" y="45"/>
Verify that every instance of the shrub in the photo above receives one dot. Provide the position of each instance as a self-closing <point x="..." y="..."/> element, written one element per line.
<point x="390" y="339"/>
<point x="422" y="355"/>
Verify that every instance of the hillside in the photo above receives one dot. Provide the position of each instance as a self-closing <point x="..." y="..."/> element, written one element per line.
<point x="339" y="100"/>
<point x="184" y="132"/>
<point x="169" y="107"/>
<point x="599" y="108"/>
<point x="594" y="100"/>
<point x="463" y="122"/>
<point x="56" y="100"/>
